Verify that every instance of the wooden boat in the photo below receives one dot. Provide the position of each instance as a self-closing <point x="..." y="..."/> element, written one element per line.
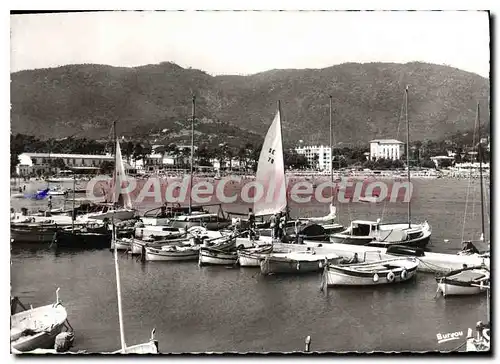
<point x="85" y="237"/>
<point x="385" y="271"/>
<point x="37" y="328"/>
<point x="173" y="253"/>
<point x="215" y="256"/>
<point x="33" y="232"/>
<point x="295" y="262"/>
<point x="466" y="281"/>
<point x="123" y="244"/>
<point x="251" y="257"/>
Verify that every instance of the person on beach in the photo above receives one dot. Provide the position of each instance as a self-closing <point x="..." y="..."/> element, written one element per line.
<point x="50" y="203"/>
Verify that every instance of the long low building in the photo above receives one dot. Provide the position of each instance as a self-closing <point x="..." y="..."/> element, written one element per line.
<point x="33" y="163"/>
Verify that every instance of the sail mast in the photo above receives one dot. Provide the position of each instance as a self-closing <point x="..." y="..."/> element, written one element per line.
<point x="284" y="172"/>
<point x="192" y="153"/>
<point x="408" y="153"/>
<point x="480" y="156"/>
<point x="331" y="152"/>
<point x="119" y="293"/>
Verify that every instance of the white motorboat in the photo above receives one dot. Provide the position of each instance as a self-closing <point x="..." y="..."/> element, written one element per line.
<point x="374" y="233"/>
<point x="466" y="281"/>
<point x="37" y="328"/>
<point x="385" y="271"/>
<point x="173" y="253"/>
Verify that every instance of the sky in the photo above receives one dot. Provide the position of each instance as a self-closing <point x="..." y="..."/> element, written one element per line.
<point x="250" y="42"/>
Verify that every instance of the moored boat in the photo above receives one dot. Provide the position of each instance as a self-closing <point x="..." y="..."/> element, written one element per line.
<point x="37" y="328"/>
<point x="213" y="256"/>
<point x="465" y="281"/>
<point x="173" y="253"/>
<point x="295" y="262"/>
<point x="251" y="257"/>
<point x="121" y="244"/>
<point x="385" y="271"/>
<point x="33" y="232"/>
<point x="85" y="237"/>
<point x="373" y="233"/>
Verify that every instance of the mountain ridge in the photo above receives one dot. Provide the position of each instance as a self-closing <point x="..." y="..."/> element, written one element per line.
<point x="367" y="100"/>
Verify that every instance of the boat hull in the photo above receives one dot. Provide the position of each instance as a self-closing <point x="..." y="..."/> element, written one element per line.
<point x="282" y="265"/>
<point x="252" y="257"/>
<point x="120" y="245"/>
<point x="215" y="257"/>
<point x="79" y="240"/>
<point x="116" y="215"/>
<point x="457" y="290"/>
<point x="53" y="317"/>
<point x="340" y="276"/>
<point x="32" y="234"/>
<point x="153" y="254"/>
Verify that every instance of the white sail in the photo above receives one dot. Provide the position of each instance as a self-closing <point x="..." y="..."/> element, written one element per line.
<point x="119" y="177"/>
<point x="271" y="173"/>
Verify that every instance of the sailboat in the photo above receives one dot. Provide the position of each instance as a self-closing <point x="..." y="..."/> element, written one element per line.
<point x="469" y="280"/>
<point x="375" y="233"/>
<point x="468" y="246"/>
<point x="197" y="215"/>
<point x="114" y="210"/>
<point x="328" y="221"/>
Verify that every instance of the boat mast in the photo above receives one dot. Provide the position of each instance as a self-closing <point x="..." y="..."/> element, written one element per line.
<point x="480" y="156"/>
<point x="73" y="214"/>
<point x="192" y="154"/>
<point x="284" y="173"/>
<point x="408" y="153"/>
<point x="331" y="153"/>
<point x="119" y="293"/>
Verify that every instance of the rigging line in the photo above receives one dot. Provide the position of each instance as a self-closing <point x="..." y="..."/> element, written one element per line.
<point x="397" y="137"/>
<point x="469" y="183"/>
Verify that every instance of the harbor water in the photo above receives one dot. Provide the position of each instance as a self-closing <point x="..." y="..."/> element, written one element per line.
<point x="218" y="309"/>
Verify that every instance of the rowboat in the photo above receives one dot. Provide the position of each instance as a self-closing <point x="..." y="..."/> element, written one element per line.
<point x="172" y="253"/>
<point x="121" y="244"/>
<point x="295" y="262"/>
<point x="216" y="257"/>
<point x="37" y="328"/>
<point x="385" y="271"/>
<point x="465" y="281"/>
<point x="251" y="257"/>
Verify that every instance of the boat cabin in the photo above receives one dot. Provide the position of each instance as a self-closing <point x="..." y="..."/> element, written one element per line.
<point x="364" y="228"/>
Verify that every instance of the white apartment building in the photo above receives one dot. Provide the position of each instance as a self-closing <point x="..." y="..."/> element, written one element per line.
<point x="386" y="148"/>
<point x="317" y="156"/>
